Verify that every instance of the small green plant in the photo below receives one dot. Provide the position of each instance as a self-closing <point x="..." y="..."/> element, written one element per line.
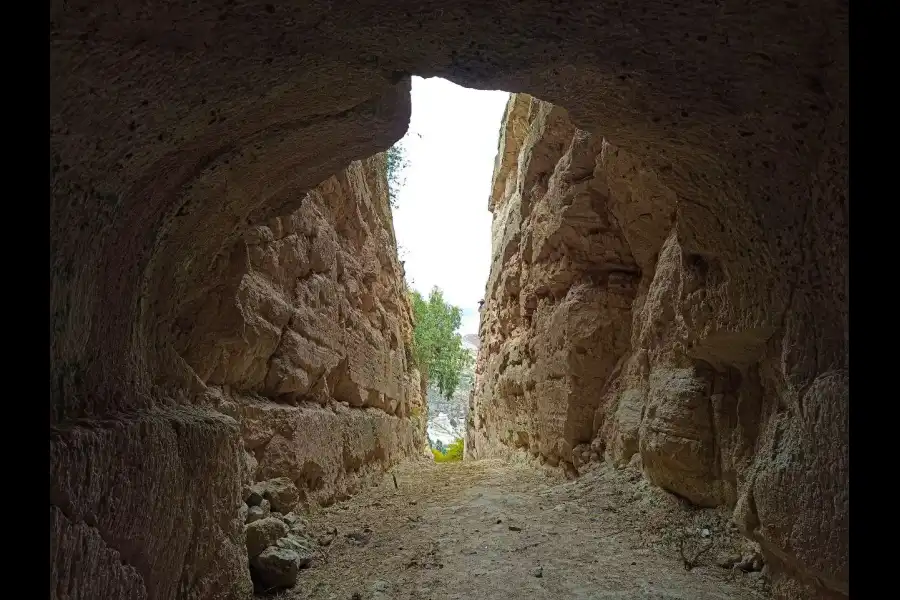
<point x="453" y="453"/>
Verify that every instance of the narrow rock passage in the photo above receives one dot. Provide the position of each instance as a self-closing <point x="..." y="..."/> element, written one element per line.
<point x="490" y="529"/>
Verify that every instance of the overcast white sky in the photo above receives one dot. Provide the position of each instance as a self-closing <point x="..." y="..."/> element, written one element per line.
<point x="442" y="222"/>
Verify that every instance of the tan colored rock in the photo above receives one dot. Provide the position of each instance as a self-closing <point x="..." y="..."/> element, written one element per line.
<point x="556" y="320"/>
<point x="91" y="465"/>
<point x="327" y="451"/>
<point x="617" y="315"/>
<point x="303" y="546"/>
<point x="297" y="524"/>
<point x="316" y="319"/>
<point x="677" y="440"/>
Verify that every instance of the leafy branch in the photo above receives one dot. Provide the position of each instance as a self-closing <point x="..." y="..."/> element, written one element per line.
<point x="396" y="165"/>
<point x="437" y="348"/>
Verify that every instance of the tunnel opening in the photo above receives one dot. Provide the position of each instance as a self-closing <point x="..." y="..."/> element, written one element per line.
<point x="440" y="184"/>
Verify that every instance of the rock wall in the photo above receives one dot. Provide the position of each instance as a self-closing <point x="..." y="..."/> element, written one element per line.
<point x="303" y="353"/>
<point x="608" y="332"/>
<point x="309" y="349"/>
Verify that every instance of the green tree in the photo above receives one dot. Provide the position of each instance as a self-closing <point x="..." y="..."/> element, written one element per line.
<point x="437" y="348"/>
<point x="396" y="164"/>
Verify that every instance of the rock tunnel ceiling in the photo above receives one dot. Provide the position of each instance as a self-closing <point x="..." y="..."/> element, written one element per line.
<point x="189" y="141"/>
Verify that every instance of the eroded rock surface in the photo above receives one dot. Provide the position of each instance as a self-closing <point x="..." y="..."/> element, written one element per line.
<point x="303" y="352"/>
<point x="309" y="348"/>
<point x="617" y="325"/>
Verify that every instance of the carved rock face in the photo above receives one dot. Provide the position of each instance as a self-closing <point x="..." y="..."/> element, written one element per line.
<point x="608" y="324"/>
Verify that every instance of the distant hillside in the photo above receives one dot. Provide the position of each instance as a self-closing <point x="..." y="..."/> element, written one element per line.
<point x="472" y="339"/>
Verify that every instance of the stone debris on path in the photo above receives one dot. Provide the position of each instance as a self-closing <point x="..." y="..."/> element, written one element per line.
<point x="278" y="544"/>
<point x="489" y="530"/>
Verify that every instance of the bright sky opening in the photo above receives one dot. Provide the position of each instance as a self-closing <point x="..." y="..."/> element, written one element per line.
<point x="441" y="218"/>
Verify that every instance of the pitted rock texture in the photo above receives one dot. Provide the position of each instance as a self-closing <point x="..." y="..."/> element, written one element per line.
<point x="606" y="332"/>
<point x="327" y="452"/>
<point x="276" y="567"/>
<point x="116" y="481"/>
<point x="317" y="308"/>
<point x="175" y="129"/>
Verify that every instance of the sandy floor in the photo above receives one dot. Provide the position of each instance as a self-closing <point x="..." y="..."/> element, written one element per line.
<point x="489" y="530"/>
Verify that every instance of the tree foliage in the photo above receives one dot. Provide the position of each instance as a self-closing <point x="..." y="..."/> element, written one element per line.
<point x="437" y="348"/>
<point x="453" y="453"/>
<point x="396" y="164"/>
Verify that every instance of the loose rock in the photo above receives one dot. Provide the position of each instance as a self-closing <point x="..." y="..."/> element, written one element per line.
<point x="295" y="523"/>
<point x="360" y="538"/>
<point x="258" y="512"/>
<point x="325" y="540"/>
<point x="750" y="563"/>
<point x="264" y="533"/>
<point x="255" y="514"/>
<point x="304" y="547"/>
<point x="281" y="493"/>
<point x="730" y="561"/>
<point x="255" y="497"/>
<point x="276" y="567"/>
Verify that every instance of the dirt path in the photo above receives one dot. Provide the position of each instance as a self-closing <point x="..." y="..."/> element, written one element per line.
<point x="489" y="530"/>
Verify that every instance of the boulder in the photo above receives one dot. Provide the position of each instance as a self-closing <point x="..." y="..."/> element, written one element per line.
<point x="275" y="567"/>
<point x="255" y="495"/>
<point x="263" y="533"/>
